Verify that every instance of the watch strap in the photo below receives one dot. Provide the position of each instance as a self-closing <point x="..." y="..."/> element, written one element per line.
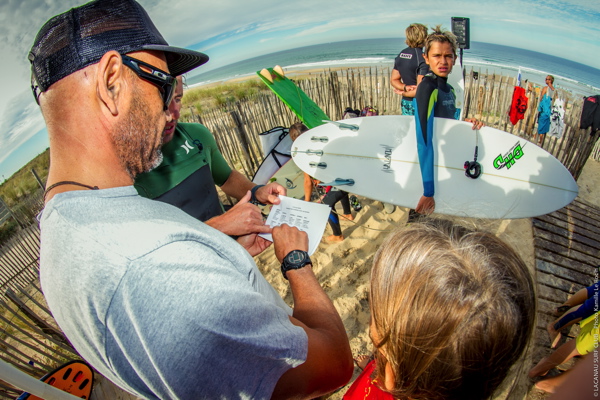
<point x="253" y="198"/>
<point x="288" y="265"/>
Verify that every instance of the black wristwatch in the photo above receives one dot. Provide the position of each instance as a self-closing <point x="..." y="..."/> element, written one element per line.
<point x="253" y="198"/>
<point x="295" y="259"/>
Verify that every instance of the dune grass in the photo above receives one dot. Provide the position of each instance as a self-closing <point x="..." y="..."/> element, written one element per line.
<point x="22" y="183"/>
<point x="202" y="99"/>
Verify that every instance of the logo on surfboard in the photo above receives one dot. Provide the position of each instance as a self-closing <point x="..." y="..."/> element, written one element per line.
<point x="387" y="158"/>
<point x="289" y="184"/>
<point x="508" y="160"/>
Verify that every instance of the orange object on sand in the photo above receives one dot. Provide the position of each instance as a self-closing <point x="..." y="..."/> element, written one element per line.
<point x="74" y="377"/>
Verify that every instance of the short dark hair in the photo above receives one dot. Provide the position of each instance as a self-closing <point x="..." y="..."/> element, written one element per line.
<point x="438" y="34"/>
<point x="297" y="129"/>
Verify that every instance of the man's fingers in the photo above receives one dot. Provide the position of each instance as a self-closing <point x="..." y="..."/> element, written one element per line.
<point x="246" y="198"/>
<point x="262" y="229"/>
<point x="273" y="199"/>
<point x="271" y="192"/>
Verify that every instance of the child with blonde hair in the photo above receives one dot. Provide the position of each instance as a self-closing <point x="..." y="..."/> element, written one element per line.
<point x="451" y="311"/>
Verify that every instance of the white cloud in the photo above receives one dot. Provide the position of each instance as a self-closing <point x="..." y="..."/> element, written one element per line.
<point x="23" y="119"/>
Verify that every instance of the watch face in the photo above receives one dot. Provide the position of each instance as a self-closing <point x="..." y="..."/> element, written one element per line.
<point x="295" y="257"/>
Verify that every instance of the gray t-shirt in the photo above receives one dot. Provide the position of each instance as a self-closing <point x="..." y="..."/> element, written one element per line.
<point x="160" y="303"/>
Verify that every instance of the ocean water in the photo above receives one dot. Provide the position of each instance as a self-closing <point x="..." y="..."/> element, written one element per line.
<point x="576" y="78"/>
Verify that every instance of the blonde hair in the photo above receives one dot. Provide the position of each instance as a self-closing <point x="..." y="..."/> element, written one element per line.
<point x="441" y="36"/>
<point x="452" y="309"/>
<point x="416" y="35"/>
<point x="296" y="130"/>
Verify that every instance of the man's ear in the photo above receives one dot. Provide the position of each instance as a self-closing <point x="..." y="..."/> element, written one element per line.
<point x="111" y="81"/>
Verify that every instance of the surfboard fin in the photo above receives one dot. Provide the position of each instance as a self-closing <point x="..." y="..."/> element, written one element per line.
<point x="266" y="74"/>
<point x="322" y="139"/>
<point x="321" y="165"/>
<point x="341" y="125"/>
<point x="338" y="182"/>
<point x="279" y="70"/>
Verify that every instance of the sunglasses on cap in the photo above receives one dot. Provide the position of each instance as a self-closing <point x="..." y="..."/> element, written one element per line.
<point x="159" y="78"/>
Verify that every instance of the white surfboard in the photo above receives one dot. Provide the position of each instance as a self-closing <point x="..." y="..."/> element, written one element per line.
<point x="277" y="165"/>
<point x="457" y="81"/>
<point x="292" y="178"/>
<point x="276" y="144"/>
<point x="518" y="179"/>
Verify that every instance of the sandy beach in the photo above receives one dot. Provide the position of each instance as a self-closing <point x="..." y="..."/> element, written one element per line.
<point x="343" y="269"/>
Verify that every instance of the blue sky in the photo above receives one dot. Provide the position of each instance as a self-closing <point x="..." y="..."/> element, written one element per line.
<point x="234" y="30"/>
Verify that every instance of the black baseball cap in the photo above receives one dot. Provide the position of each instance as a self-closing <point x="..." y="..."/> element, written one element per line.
<point x="80" y="37"/>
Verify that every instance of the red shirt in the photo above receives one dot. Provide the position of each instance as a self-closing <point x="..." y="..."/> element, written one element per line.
<point x="364" y="388"/>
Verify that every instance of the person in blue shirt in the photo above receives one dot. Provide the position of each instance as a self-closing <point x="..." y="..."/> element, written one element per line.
<point x="434" y="98"/>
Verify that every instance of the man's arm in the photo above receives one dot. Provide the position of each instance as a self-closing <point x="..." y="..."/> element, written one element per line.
<point x="237" y="185"/>
<point x="396" y="80"/>
<point x="424" y="126"/>
<point x="328" y="364"/>
<point x="242" y="219"/>
<point x="307" y="187"/>
<point x="411" y="91"/>
<point x="400" y="87"/>
<point x="245" y="218"/>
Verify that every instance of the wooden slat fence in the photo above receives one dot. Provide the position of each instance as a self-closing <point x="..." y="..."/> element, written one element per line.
<point x="596" y="151"/>
<point x="31" y="339"/>
<point x="567" y="244"/>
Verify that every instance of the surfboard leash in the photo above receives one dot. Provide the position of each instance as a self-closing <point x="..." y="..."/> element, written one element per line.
<point x="473" y="168"/>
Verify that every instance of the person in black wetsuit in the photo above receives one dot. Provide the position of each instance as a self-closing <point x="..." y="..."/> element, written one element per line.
<point x="410" y="67"/>
<point x="434" y="98"/>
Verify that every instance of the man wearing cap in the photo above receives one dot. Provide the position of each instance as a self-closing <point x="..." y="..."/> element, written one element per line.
<point x="192" y="164"/>
<point x="161" y="304"/>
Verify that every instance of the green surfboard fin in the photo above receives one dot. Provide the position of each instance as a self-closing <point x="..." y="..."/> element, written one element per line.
<point x="303" y="106"/>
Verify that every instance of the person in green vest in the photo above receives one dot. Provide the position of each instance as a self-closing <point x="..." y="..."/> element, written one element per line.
<point x="192" y="164"/>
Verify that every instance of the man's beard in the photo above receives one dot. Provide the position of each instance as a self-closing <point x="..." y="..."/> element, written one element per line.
<point x="139" y="139"/>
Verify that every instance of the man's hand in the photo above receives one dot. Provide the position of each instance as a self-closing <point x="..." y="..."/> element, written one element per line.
<point x="287" y="238"/>
<point x="476" y="123"/>
<point x="426" y="205"/>
<point x="407" y="91"/>
<point x="269" y="194"/>
<point x="328" y="364"/>
<point x="243" y="218"/>
<point x="253" y="243"/>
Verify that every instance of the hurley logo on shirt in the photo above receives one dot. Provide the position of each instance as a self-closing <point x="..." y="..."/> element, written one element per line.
<point x="187" y="147"/>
